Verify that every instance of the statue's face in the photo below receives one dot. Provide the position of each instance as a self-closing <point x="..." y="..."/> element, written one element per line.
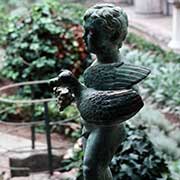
<point x="96" y="37"/>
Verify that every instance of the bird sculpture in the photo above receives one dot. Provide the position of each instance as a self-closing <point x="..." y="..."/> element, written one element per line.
<point x="99" y="107"/>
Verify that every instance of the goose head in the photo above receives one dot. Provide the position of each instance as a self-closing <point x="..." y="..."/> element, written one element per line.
<point x="65" y="79"/>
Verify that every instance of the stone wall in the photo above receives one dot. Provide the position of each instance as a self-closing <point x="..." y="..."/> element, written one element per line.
<point x="149" y="6"/>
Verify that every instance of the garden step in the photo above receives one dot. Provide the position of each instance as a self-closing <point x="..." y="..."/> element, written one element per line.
<point x="11" y="143"/>
<point x="17" y="150"/>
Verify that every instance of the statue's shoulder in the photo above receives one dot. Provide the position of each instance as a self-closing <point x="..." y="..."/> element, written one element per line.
<point x="114" y="76"/>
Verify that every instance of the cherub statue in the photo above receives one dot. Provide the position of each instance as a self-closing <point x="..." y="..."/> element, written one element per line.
<point x="107" y="99"/>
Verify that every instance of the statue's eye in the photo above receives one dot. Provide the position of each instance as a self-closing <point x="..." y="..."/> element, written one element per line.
<point x="91" y="31"/>
<point x="88" y="32"/>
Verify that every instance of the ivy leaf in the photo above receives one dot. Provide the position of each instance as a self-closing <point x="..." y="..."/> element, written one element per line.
<point x="34" y="46"/>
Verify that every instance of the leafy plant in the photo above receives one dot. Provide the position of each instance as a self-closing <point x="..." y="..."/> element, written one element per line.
<point x="136" y="158"/>
<point x="140" y="43"/>
<point x="24" y="113"/>
<point x="175" y="170"/>
<point x="162" y="85"/>
<point x="164" y="135"/>
<point x="74" y="10"/>
<point x="70" y="129"/>
<point x="14" y="112"/>
<point x="10" y="9"/>
<point x="40" y="44"/>
<point x="4" y="24"/>
<point x="137" y="42"/>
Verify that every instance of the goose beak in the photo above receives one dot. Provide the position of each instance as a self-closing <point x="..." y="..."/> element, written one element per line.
<point x="54" y="82"/>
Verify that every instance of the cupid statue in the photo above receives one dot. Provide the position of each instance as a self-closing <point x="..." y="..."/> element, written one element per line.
<point x="107" y="98"/>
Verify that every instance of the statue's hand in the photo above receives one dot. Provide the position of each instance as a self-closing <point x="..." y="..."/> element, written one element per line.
<point x="64" y="97"/>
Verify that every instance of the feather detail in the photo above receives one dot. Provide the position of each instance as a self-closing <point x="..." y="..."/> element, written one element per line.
<point x="105" y="107"/>
<point x="114" y="76"/>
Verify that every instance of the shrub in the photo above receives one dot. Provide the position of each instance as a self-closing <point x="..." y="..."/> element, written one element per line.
<point x="163" y="134"/>
<point x="17" y="113"/>
<point x="4" y="24"/>
<point x="136" y="158"/>
<point x="137" y="42"/>
<point x="41" y="44"/>
<point x="73" y="10"/>
<point x="162" y="85"/>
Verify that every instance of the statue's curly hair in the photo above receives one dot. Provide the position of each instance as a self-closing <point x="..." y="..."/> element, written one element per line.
<point x="113" y="18"/>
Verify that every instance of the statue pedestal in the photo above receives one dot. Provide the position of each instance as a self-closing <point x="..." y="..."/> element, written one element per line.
<point x="175" y="42"/>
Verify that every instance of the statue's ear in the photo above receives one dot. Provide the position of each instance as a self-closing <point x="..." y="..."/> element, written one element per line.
<point x="115" y="36"/>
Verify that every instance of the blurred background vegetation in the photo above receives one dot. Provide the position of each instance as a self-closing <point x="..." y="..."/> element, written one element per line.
<point x="39" y="38"/>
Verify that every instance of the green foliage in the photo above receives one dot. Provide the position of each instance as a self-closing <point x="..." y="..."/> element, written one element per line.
<point x="14" y="113"/>
<point x="4" y="24"/>
<point x="136" y="158"/>
<point x="175" y="170"/>
<point x="162" y="85"/>
<point x="42" y="43"/>
<point x="164" y="135"/>
<point x="11" y="4"/>
<point x="24" y="113"/>
<point x="10" y="9"/>
<point x="73" y="10"/>
<point x="73" y="159"/>
<point x="39" y="45"/>
<point x="140" y="43"/>
<point x="137" y="42"/>
<point x="72" y="129"/>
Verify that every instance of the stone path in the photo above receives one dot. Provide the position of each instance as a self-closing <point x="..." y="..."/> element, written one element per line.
<point x="12" y="145"/>
<point x="156" y="28"/>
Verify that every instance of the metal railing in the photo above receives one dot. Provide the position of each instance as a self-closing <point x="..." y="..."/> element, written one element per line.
<point x="34" y="123"/>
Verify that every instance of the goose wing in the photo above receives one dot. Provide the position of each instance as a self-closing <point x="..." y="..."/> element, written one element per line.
<point x="114" y="76"/>
<point x="110" y="107"/>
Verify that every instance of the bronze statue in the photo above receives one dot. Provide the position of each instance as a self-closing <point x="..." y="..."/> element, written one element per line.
<point x="107" y="98"/>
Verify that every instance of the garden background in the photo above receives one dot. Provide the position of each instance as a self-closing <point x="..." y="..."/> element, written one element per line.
<point x="37" y="40"/>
